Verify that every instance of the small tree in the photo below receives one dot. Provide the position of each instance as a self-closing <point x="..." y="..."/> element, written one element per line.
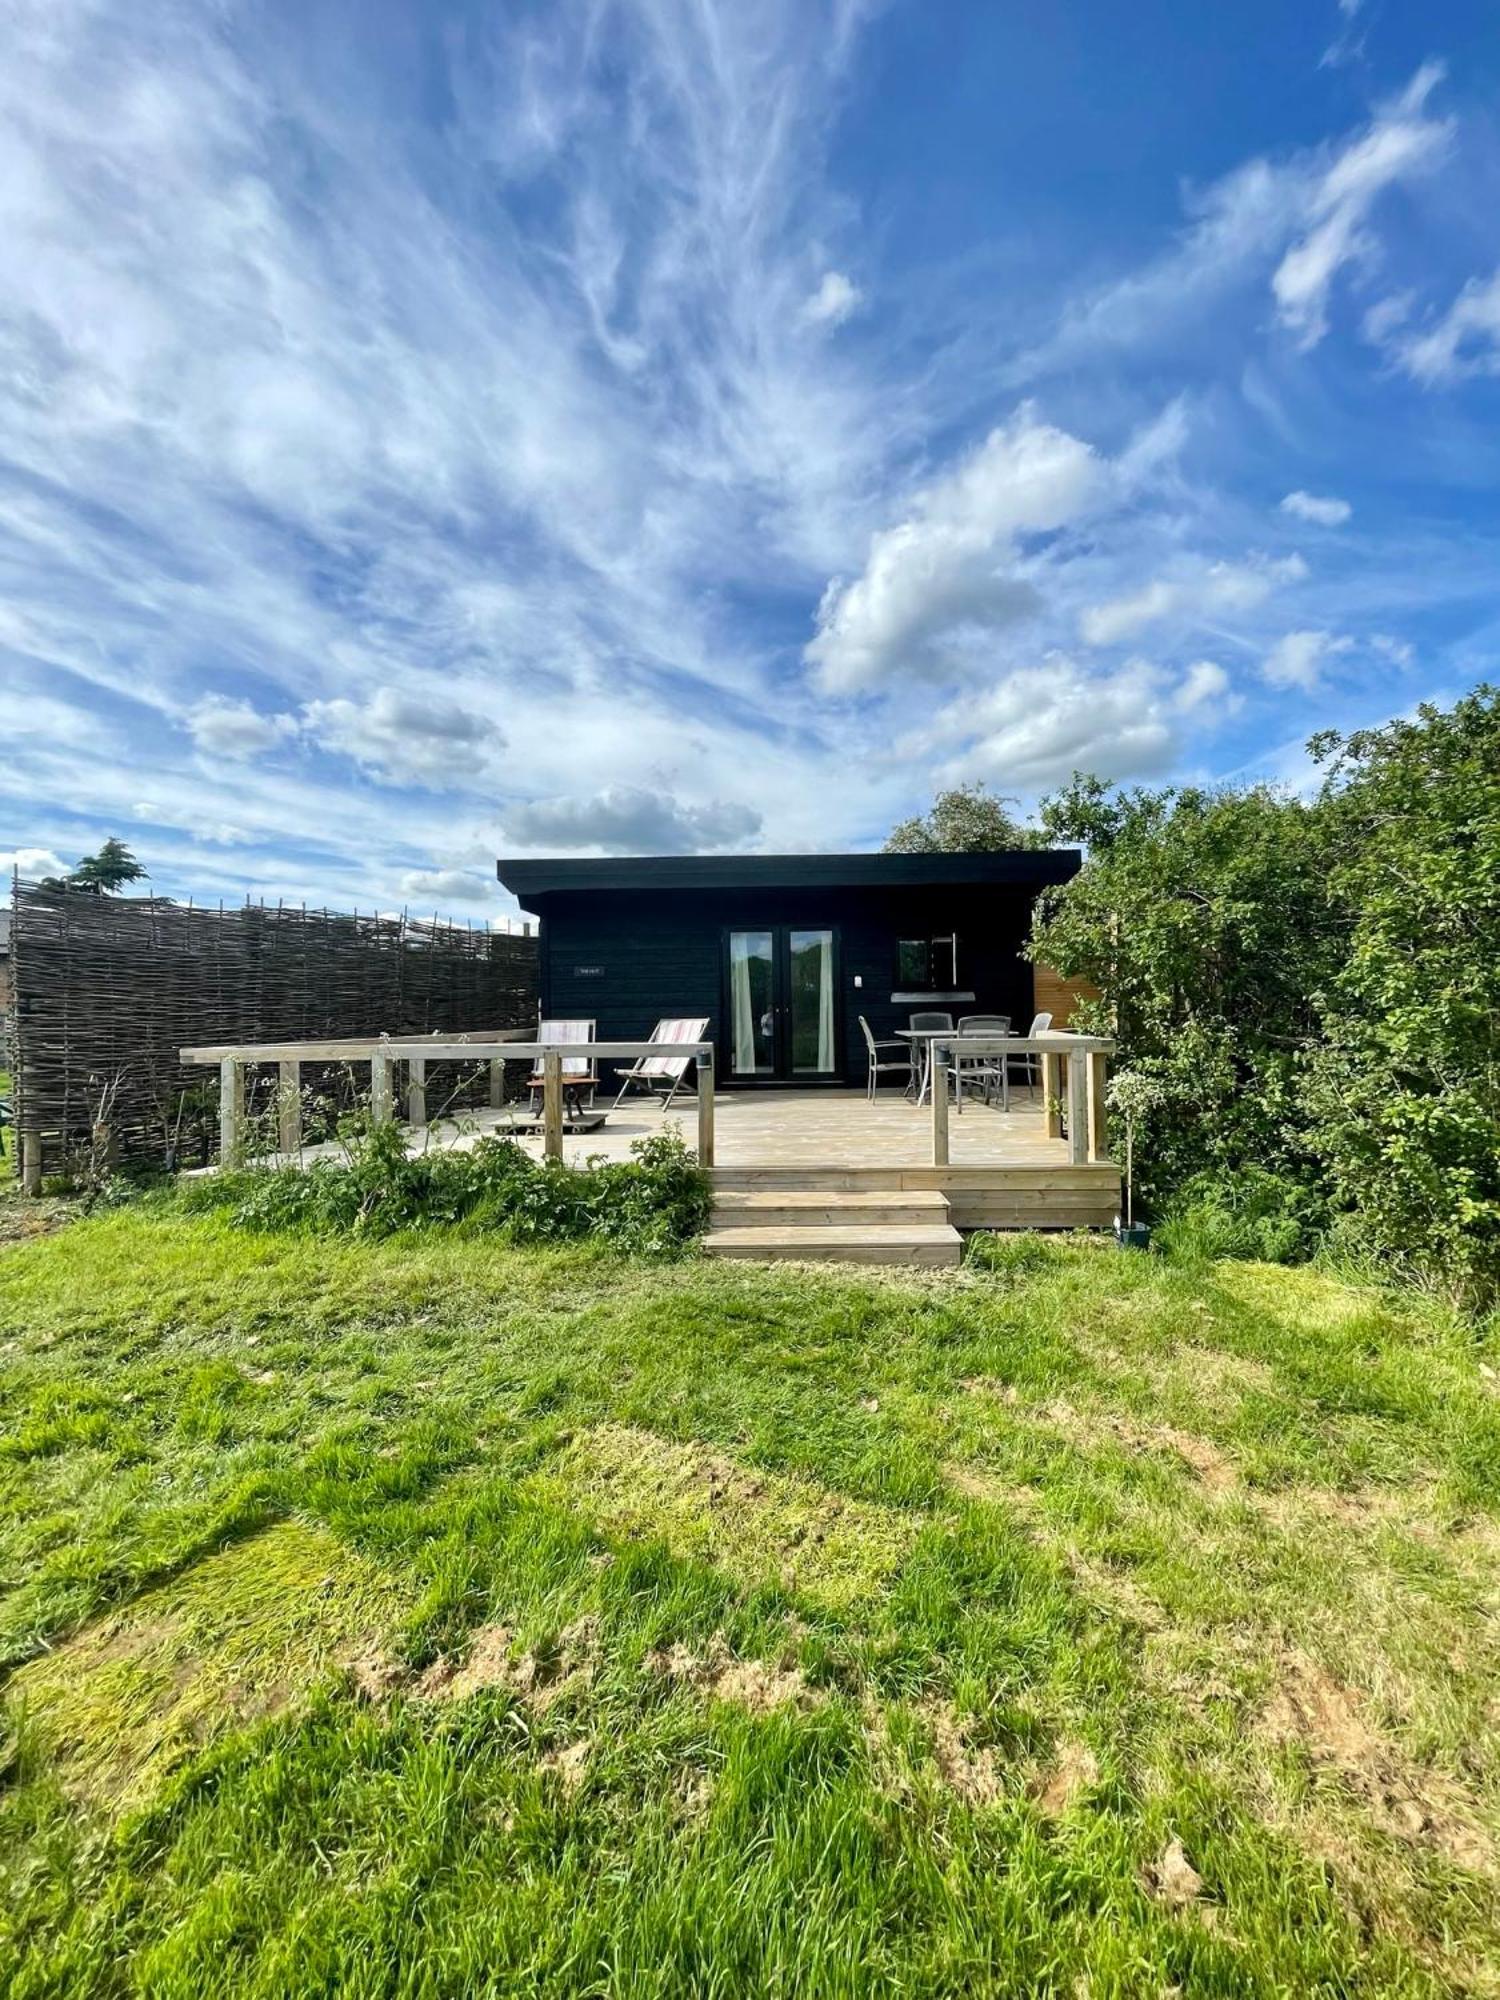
<point x="969" y="819"/>
<point x="101" y="874"/>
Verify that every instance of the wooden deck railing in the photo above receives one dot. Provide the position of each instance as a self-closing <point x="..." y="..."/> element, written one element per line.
<point x="1074" y="1071"/>
<point x="383" y="1052"/>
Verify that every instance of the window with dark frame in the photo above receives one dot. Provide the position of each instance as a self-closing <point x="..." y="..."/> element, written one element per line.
<point x="927" y="965"/>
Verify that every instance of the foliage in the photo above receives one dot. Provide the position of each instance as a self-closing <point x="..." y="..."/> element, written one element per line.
<point x="1204" y="918"/>
<point x="1313" y="987"/>
<point x="432" y="1615"/>
<point x="1244" y="1212"/>
<point x="967" y="820"/>
<point x="1404" y="1089"/>
<point x="655" y="1203"/>
<point x="101" y="874"/>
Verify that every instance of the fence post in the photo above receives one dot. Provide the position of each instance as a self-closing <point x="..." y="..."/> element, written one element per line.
<point x="552" y="1104"/>
<point x="1078" y="1107"/>
<point x="289" y="1106"/>
<point x="706" y="1110"/>
<point x="380" y="1089"/>
<point x="497" y="1082"/>
<point x="31" y="1163"/>
<point x="416" y="1090"/>
<point x="231" y="1111"/>
<point x="937" y="1071"/>
<point x="1098" y="1109"/>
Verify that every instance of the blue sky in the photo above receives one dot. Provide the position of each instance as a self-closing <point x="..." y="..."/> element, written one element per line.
<point x="430" y="431"/>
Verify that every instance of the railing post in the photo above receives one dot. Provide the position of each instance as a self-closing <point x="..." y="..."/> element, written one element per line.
<point x="1052" y="1092"/>
<point x="706" y="1110"/>
<point x="1078" y="1107"/>
<point x="289" y="1106"/>
<point x="497" y="1082"/>
<point x="231" y="1111"/>
<point x="937" y="1070"/>
<point x="416" y="1090"/>
<point x="552" y="1104"/>
<point x="380" y="1089"/>
<point x="1098" y="1108"/>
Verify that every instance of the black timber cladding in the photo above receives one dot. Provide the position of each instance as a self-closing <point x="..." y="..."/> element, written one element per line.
<point x="626" y="941"/>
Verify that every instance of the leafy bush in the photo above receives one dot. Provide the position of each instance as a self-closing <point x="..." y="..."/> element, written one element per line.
<point x="1312" y="991"/>
<point x="1251" y="1213"/>
<point x="655" y="1203"/>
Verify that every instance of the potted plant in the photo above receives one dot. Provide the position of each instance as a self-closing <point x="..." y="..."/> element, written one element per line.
<point x="1133" y="1095"/>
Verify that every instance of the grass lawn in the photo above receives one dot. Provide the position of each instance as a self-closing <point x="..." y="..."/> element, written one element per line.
<point x="428" y="1617"/>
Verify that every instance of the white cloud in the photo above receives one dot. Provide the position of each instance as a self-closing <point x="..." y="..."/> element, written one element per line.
<point x="1298" y="658"/>
<point x="448" y="886"/>
<point x="836" y="298"/>
<point x="407" y="738"/>
<point x="224" y="728"/>
<point x="949" y="569"/>
<point x="1037" y="726"/>
<point x="1324" y="510"/>
<point x="1398" y="144"/>
<point x="31" y="861"/>
<point x="1400" y="652"/>
<point x="1465" y="341"/>
<point x="626" y="819"/>
<point x="1206" y="592"/>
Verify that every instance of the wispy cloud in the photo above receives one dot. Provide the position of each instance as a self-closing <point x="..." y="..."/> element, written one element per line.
<point x="1401" y="142"/>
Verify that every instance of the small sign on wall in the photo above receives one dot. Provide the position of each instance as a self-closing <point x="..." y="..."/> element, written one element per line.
<point x="588" y="971"/>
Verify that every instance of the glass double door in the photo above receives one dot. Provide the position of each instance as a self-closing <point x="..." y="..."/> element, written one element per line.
<point x="783" y="996"/>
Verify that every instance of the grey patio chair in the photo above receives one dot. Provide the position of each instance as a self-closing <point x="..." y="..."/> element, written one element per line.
<point x="877" y="1067"/>
<point x="663" y="1072"/>
<point x="989" y="1070"/>
<point x="579" y="1079"/>
<point x="1030" y="1061"/>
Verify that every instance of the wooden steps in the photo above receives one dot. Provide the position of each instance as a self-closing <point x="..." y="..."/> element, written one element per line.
<point x="834" y="1225"/>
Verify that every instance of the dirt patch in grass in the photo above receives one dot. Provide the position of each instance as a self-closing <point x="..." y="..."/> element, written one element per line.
<point x="540" y="1679"/>
<point x="237" y="1637"/>
<point x="1074" y="1771"/>
<point x="966" y="1767"/>
<point x="1171" y="1878"/>
<point x="974" y="1483"/>
<point x="748" y="1523"/>
<point x="1309" y="1710"/>
<point x="758" y="1685"/>
<point x="1209" y="1466"/>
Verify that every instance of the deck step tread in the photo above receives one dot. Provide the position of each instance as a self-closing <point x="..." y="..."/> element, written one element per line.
<point x="873" y="1243"/>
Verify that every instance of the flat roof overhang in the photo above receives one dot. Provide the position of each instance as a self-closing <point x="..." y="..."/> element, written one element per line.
<point x="1022" y="867"/>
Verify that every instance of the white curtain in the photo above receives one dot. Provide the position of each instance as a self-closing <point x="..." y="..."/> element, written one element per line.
<point x="741" y="1004"/>
<point x="825" y="1003"/>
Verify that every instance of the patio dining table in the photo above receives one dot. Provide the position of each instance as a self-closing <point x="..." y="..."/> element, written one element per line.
<point x="920" y="1041"/>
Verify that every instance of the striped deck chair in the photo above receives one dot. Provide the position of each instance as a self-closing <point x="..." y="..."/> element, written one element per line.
<point x="578" y="1075"/>
<point x="660" y="1072"/>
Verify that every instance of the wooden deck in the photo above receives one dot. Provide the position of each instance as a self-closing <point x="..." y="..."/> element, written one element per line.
<point x="864" y="1176"/>
<point x="1003" y="1171"/>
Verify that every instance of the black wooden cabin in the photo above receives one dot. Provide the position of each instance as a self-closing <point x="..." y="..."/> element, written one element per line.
<point x="783" y="953"/>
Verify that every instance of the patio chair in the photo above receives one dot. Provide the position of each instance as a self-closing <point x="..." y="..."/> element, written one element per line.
<point x="877" y="1067"/>
<point x="579" y="1080"/>
<point x="664" y="1073"/>
<point x="989" y="1070"/>
<point x="1030" y="1061"/>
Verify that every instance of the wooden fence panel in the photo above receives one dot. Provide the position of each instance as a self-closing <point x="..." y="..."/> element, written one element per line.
<point x="108" y="989"/>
